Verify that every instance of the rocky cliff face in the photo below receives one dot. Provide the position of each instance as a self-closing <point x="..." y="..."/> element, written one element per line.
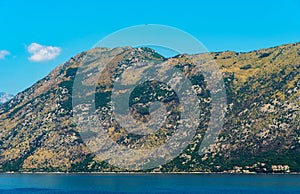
<point x="261" y="131"/>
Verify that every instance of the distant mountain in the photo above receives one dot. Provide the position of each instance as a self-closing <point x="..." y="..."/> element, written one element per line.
<point x="4" y="97"/>
<point x="261" y="132"/>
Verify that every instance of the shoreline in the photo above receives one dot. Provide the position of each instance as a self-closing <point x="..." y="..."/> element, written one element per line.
<point x="147" y="173"/>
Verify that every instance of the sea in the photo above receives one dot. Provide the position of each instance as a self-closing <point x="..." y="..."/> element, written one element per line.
<point x="149" y="183"/>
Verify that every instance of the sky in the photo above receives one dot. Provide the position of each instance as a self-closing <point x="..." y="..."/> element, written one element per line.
<point x="37" y="36"/>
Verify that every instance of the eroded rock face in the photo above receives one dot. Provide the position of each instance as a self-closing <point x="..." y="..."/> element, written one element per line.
<point x="38" y="131"/>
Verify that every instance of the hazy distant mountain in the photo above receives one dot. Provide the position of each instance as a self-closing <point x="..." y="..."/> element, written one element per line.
<point x="261" y="132"/>
<point x="4" y="97"/>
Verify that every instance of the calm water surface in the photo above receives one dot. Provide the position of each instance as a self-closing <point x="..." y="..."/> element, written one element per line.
<point x="149" y="183"/>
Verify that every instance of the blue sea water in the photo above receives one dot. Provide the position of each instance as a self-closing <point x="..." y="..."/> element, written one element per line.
<point x="149" y="183"/>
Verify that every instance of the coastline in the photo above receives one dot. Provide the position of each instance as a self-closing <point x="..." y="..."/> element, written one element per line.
<point x="147" y="173"/>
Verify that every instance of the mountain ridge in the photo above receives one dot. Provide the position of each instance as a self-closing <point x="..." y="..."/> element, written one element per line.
<point x="38" y="132"/>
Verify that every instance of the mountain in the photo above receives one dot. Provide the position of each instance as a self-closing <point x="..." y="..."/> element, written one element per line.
<point x="261" y="133"/>
<point x="4" y="97"/>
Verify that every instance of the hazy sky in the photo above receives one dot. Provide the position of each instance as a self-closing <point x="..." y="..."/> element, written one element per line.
<point x="37" y="36"/>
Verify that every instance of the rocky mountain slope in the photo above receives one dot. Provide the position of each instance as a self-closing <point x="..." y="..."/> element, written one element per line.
<point x="261" y="131"/>
<point x="4" y="97"/>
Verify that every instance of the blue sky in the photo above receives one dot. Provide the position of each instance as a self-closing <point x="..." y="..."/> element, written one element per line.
<point x="73" y="26"/>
